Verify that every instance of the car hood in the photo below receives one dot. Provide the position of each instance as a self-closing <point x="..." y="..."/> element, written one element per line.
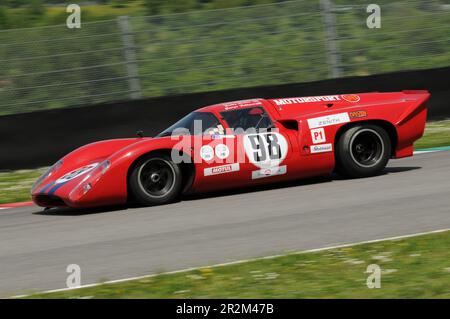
<point x="93" y="153"/>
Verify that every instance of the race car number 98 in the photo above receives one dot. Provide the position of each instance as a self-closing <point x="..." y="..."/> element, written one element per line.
<point x="263" y="146"/>
<point x="265" y="149"/>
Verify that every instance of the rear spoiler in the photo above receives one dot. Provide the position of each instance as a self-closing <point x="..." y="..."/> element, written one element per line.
<point x="414" y="108"/>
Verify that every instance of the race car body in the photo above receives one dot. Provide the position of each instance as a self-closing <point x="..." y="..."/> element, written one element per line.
<point x="239" y="144"/>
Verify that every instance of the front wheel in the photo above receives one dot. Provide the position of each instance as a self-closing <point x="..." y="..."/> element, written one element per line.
<point x="362" y="151"/>
<point x="155" y="180"/>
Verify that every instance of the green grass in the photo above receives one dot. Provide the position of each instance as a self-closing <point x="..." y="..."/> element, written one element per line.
<point x="15" y="186"/>
<point x="436" y="134"/>
<point x="417" y="267"/>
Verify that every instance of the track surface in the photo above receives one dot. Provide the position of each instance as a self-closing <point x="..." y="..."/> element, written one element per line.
<point x="36" y="247"/>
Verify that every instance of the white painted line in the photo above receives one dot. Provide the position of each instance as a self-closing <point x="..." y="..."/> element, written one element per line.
<point x="424" y="152"/>
<point x="237" y="262"/>
<point x="433" y="150"/>
<point x="4" y="207"/>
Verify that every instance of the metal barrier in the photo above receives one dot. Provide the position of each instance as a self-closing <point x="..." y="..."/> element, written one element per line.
<point x="280" y="43"/>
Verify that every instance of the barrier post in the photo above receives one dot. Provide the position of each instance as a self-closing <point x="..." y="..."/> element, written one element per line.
<point x="130" y="57"/>
<point x="329" y="22"/>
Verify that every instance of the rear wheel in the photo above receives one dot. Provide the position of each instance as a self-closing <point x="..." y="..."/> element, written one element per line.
<point x="362" y="151"/>
<point x="155" y="180"/>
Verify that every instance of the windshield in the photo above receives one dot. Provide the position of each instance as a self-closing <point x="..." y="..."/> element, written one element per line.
<point x="195" y="123"/>
<point x="249" y="118"/>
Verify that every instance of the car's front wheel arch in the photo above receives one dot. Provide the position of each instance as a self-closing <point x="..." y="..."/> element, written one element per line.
<point x="186" y="167"/>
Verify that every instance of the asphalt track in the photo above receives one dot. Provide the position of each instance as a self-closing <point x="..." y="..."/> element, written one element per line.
<point x="36" y="247"/>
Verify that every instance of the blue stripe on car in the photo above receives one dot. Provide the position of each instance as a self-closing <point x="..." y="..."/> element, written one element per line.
<point x="55" y="188"/>
<point x="46" y="187"/>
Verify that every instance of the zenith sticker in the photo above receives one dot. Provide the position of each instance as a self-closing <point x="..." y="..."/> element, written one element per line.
<point x="328" y="120"/>
<point x="322" y="148"/>
<point x="318" y="135"/>
<point x="357" y="114"/>
<point x="271" y="171"/>
<point x="221" y="169"/>
<point x="351" y="97"/>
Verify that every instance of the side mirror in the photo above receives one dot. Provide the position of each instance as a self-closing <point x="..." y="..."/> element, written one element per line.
<point x="140" y="133"/>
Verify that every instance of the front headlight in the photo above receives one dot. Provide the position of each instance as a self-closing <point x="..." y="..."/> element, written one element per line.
<point x="52" y="170"/>
<point x="89" y="181"/>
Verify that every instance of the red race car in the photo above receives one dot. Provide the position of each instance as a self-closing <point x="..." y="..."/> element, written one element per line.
<point x="241" y="144"/>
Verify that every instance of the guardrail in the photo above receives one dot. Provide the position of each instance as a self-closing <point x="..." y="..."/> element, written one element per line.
<point x="270" y="44"/>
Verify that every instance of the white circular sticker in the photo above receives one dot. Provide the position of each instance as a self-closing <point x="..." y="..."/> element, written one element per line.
<point x="265" y="149"/>
<point x="75" y="173"/>
<point x="207" y="153"/>
<point x="222" y="151"/>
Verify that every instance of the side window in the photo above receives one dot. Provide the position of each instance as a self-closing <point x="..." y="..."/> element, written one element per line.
<point x="209" y="124"/>
<point x="247" y="119"/>
<point x="195" y="123"/>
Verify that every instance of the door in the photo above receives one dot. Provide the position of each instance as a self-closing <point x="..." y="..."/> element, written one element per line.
<point x="254" y="151"/>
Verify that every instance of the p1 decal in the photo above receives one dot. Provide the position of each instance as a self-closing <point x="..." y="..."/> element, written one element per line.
<point x="76" y="173"/>
<point x="351" y="98"/>
<point x="328" y="120"/>
<point x="318" y="135"/>
<point x="357" y="114"/>
<point x="265" y="150"/>
<point x="271" y="171"/>
<point x="322" y="148"/>
<point x="221" y="169"/>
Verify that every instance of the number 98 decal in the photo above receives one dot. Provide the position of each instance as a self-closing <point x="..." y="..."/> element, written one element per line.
<point x="265" y="149"/>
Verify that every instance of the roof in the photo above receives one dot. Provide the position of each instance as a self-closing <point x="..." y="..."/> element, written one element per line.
<point x="226" y="106"/>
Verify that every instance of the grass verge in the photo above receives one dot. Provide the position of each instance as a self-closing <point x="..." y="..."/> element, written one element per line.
<point x="416" y="267"/>
<point x="436" y="134"/>
<point x="15" y="186"/>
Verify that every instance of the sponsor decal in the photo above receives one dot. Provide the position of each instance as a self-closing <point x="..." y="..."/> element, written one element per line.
<point x="221" y="169"/>
<point x="351" y="97"/>
<point x="265" y="150"/>
<point x="243" y="103"/>
<point x="322" y="148"/>
<point x="357" y="114"/>
<point x="318" y="135"/>
<point x="328" y="120"/>
<point x="222" y="151"/>
<point x="271" y="171"/>
<point x="206" y="152"/>
<point x="221" y="136"/>
<point x="75" y="173"/>
<point x="231" y="107"/>
<point x="308" y="99"/>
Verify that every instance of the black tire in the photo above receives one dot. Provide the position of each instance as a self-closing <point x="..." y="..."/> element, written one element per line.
<point x="155" y="180"/>
<point x="362" y="151"/>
